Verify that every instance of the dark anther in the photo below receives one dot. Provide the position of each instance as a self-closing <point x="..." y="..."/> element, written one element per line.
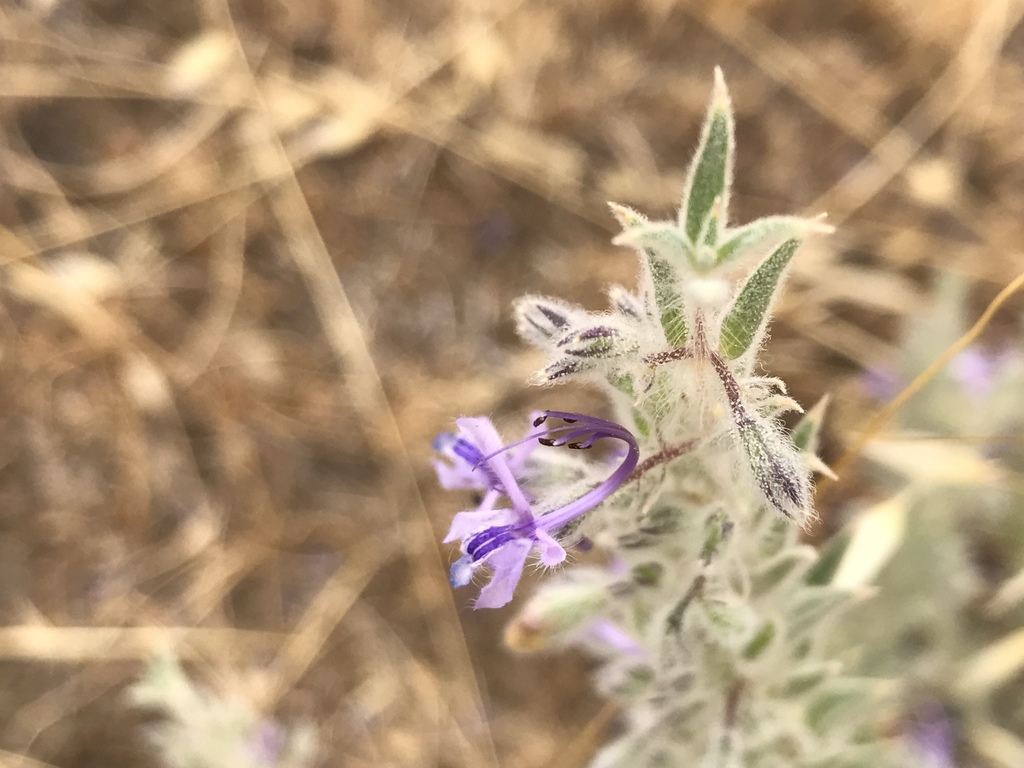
<point x="546" y="441"/>
<point x="540" y="420"/>
<point x="579" y="446"/>
<point x="570" y="421"/>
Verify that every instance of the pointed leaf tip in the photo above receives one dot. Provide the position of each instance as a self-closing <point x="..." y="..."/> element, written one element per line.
<point x="706" y="194"/>
<point x="806" y="433"/>
<point x="720" y="92"/>
<point x="626" y="217"/>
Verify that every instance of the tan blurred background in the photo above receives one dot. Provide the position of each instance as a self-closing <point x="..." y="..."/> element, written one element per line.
<point x="256" y="254"/>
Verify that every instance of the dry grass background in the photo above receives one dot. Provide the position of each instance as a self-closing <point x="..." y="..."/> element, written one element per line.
<point x="256" y="254"/>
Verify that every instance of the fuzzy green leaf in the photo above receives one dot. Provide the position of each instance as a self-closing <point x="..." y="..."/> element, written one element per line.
<point x="748" y="315"/>
<point x="661" y="246"/>
<point x="810" y="605"/>
<point x="706" y="195"/>
<point x="830" y="557"/>
<point x="804" y="677"/>
<point x="759" y="642"/>
<point x="771" y="573"/>
<point x="670" y="305"/>
<point x="763" y="234"/>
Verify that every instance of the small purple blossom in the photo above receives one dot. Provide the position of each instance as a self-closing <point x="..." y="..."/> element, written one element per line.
<point x="605" y="633"/>
<point x="931" y="736"/>
<point x="465" y="467"/>
<point x="266" y="742"/>
<point x="880" y="383"/>
<point x="977" y="370"/>
<point x="504" y="538"/>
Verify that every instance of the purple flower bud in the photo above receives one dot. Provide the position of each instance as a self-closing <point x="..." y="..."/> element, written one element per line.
<point x="266" y="742"/>
<point x="931" y="736"/>
<point x="597" y="342"/>
<point x="560" y="370"/>
<point x="625" y="303"/>
<point x="977" y="370"/>
<point x="502" y="539"/>
<point x="774" y="462"/>
<point x="540" y="319"/>
<point x="880" y="383"/>
<point x="778" y="470"/>
<point x="608" y="635"/>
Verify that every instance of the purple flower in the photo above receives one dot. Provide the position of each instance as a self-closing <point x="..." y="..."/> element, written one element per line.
<point x="266" y="742"/>
<point x="465" y="466"/>
<point x="504" y="538"/>
<point x="881" y="383"/>
<point x="608" y="635"/>
<point x="931" y="736"/>
<point x="975" y="370"/>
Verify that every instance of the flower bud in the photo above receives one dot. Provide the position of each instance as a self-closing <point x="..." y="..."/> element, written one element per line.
<point x="556" y="610"/>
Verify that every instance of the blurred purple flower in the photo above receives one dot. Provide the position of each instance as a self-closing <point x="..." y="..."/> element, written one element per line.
<point x="974" y="369"/>
<point x="607" y="634"/>
<point x="880" y="383"/>
<point x="931" y="736"/>
<point x="494" y="233"/>
<point x="266" y="742"/>
<point x="977" y="370"/>
<point x="465" y="466"/>
<point x="503" y="538"/>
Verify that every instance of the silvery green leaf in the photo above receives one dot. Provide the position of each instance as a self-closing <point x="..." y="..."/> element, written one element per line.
<point x="759" y="643"/>
<point x="662" y="246"/>
<point x="806" y="435"/>
<point x="808" y="675"/>
<point x="647" y="574"/>
<point x="657" y="239"/>
<point x="670" y="304"/>
<point x="810" y="605"/>
<point x="851" y="756"/>
<point x="771" y="573"/>
<point x="758" y="237"/>
<point x="557" y="609"/>
<point x="746" y="319"/>
<point x="706" y="193"/>
<point x="626" y="677"/>
<point x="663" y="520"/>
<point x="624" y="383"/>
<point x="835" y="702"/>
<point x="829" y="558"/>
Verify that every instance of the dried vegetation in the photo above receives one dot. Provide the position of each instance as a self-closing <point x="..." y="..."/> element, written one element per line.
<point x="256" y="254"/>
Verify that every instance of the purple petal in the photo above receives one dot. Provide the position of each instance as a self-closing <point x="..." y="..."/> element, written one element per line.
<point x="610" y="635"/>
<point x="507" y="568"/>
<point x="481" y="432"/>
<point x="551" y="552"/>
<point x="465" y="524"/>
<point x="486" y="438"/>
<point x="975" y="370"/>
<point x="453" y="477"/>
<point x="266" y="742"/>
<point x="880" y="383"/>
<point x="931" y="735"/>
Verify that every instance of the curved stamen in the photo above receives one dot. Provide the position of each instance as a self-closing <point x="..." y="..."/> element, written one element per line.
<point x="581" y="432"/>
